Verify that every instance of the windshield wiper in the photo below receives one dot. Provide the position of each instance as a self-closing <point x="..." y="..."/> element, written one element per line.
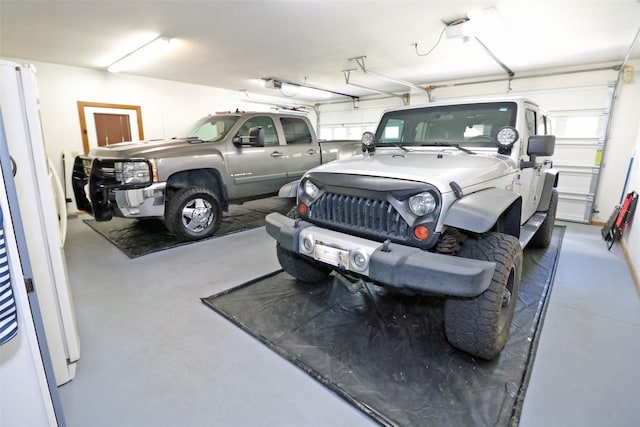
<point x="400" y="146"/>
<point x="190" y="139"/>
<point x="443" y="144"/>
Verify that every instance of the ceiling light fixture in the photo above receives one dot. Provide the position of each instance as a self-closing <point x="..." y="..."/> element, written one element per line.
<point x="141" y="56"/>
<point x="458" y="29"/>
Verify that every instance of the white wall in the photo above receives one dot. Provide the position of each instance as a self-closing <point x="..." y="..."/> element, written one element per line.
<point x="632" y="233"/>
<point x="167" y="107"/>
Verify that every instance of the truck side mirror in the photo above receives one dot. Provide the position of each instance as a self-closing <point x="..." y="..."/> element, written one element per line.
<point x="255" y="138"/>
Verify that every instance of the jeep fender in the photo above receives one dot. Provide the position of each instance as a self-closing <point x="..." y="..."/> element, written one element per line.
<point x="289" y="190"/>
<point x="479" y="212"/>
<point x="550" y="182"/>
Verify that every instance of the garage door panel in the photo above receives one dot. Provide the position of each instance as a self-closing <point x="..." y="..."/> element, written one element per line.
<point x="576" y="155"/>
<point x="574" y="208"/>
<point x="577" y="181"/>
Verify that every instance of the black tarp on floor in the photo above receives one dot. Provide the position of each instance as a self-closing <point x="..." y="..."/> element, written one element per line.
<point x="386" y="353"/>
<point x="136" y="238"/>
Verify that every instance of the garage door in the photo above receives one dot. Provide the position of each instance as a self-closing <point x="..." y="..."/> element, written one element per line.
<point x="579" y="118"/>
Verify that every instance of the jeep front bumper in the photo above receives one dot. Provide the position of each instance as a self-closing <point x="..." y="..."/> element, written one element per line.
<point x="391" y="264"/>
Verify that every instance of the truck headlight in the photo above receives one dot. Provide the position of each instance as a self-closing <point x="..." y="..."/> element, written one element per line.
<point x="422" y="204"/>
<point x="133" y="172"/>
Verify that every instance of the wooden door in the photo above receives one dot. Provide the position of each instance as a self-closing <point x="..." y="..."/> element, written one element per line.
<point x="112" y="128"/>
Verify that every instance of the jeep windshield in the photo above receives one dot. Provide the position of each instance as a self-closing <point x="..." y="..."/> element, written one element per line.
<point x="211" y="128"/>
<point x="468" y="125"/>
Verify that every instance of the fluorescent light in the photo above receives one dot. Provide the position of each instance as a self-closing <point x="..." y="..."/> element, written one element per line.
<point x="141" y="56"/>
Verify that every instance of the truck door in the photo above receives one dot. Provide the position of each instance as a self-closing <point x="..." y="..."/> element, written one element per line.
<point x="302" y="152"/>
<point x="256" y="170"/>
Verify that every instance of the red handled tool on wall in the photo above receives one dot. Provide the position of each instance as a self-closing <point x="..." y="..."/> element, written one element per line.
<point x="621" y="216"/>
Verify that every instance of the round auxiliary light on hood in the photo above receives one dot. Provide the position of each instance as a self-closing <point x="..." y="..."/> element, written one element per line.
<point x="368" y="142"/>
<point x="506" y="137"/>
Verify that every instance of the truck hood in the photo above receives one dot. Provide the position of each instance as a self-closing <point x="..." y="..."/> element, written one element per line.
<point x="438" y="168"/>
<point x="149" y="149"/>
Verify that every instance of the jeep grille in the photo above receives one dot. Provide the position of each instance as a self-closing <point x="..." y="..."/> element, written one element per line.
<point x="364" y="216"/>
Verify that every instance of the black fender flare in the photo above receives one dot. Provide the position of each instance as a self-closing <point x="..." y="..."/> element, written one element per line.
<point x="550" y="182"/>
<point x="481" y="211"/>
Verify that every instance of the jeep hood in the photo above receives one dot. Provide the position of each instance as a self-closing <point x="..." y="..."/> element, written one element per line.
<point x="150" y="149"/>
<point x="438" y="168"/>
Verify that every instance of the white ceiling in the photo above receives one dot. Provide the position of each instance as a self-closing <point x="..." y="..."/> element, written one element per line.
<point x="234" y="44"/>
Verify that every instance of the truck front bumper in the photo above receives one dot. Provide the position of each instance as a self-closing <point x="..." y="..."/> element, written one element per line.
<point x="142" y="202"/>
<point x="393" y="265"/>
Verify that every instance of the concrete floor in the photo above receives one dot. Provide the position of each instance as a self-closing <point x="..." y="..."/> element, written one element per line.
<point x="154" y="355"/>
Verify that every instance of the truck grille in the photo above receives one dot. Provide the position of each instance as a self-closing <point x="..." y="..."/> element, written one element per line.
<point x="365" y="216"/>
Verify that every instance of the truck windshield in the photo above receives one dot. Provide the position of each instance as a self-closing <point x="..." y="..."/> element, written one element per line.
<point x="469" y="125"/>
<point x="212" y="128"/>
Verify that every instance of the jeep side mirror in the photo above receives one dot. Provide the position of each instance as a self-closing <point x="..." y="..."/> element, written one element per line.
<point x="255" y="138"/>
<point x="539" y="145"/>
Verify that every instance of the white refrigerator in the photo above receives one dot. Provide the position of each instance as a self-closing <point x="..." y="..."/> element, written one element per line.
<point x="43" y="214"/>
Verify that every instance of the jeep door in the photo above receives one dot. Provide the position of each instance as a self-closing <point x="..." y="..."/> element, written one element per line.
<point x="256" y="170"/>
<point x="531" y="177"/>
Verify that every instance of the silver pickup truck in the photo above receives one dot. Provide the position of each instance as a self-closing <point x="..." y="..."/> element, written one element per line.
<point x="442" y="201"/>
<point x="190" y="180"/>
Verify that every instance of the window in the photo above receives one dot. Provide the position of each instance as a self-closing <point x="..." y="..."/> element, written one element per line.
<point x="473" y="125"/>
<point x="531" y="121"/>
<point x="296" y="131"/>
<point x="212" y="128"/>
<point x="266" y="123"/>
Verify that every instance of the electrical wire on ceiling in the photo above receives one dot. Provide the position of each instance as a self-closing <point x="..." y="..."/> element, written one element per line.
<point x="415" y="45"/>
<point x="444" y="29"/>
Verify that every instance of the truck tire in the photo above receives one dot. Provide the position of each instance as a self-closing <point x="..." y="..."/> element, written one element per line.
<point x="542" y="238"/>
<point x="193" y="213"/>
<point x="480" y="325"/>
<point x="302" y="269"/>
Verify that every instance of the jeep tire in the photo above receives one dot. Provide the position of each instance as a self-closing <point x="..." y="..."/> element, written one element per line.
<point x="307" y="271"/>
<point x="193" y="213"/>
<point x="480" y="325"/>
<point x="542" y="238"/>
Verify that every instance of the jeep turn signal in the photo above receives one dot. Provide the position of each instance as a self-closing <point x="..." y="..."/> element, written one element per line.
<point x="302" y="209"/>
<point x="421" y="232"/>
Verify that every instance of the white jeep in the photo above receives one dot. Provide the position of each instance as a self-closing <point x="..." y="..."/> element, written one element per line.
<point x="442" y="201"/>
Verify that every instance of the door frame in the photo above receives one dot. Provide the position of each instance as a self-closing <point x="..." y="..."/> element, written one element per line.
<point x="83" y="122"/>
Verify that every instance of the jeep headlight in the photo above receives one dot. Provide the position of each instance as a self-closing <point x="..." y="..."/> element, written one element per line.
<point x="133" y="172"/>
<point x="310" y="189"/>
<point x="423" y="203"/>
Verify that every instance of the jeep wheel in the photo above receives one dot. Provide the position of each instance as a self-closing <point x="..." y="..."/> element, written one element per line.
<point x="480" y="325"/>
<point x="302" y="269"/>
<point x="193" y="213"/>
<point x="542" y="238"/>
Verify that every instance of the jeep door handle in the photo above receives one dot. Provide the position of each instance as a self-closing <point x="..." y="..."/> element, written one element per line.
<point x="311" y="152"/>
<point x="277" y="154"/>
